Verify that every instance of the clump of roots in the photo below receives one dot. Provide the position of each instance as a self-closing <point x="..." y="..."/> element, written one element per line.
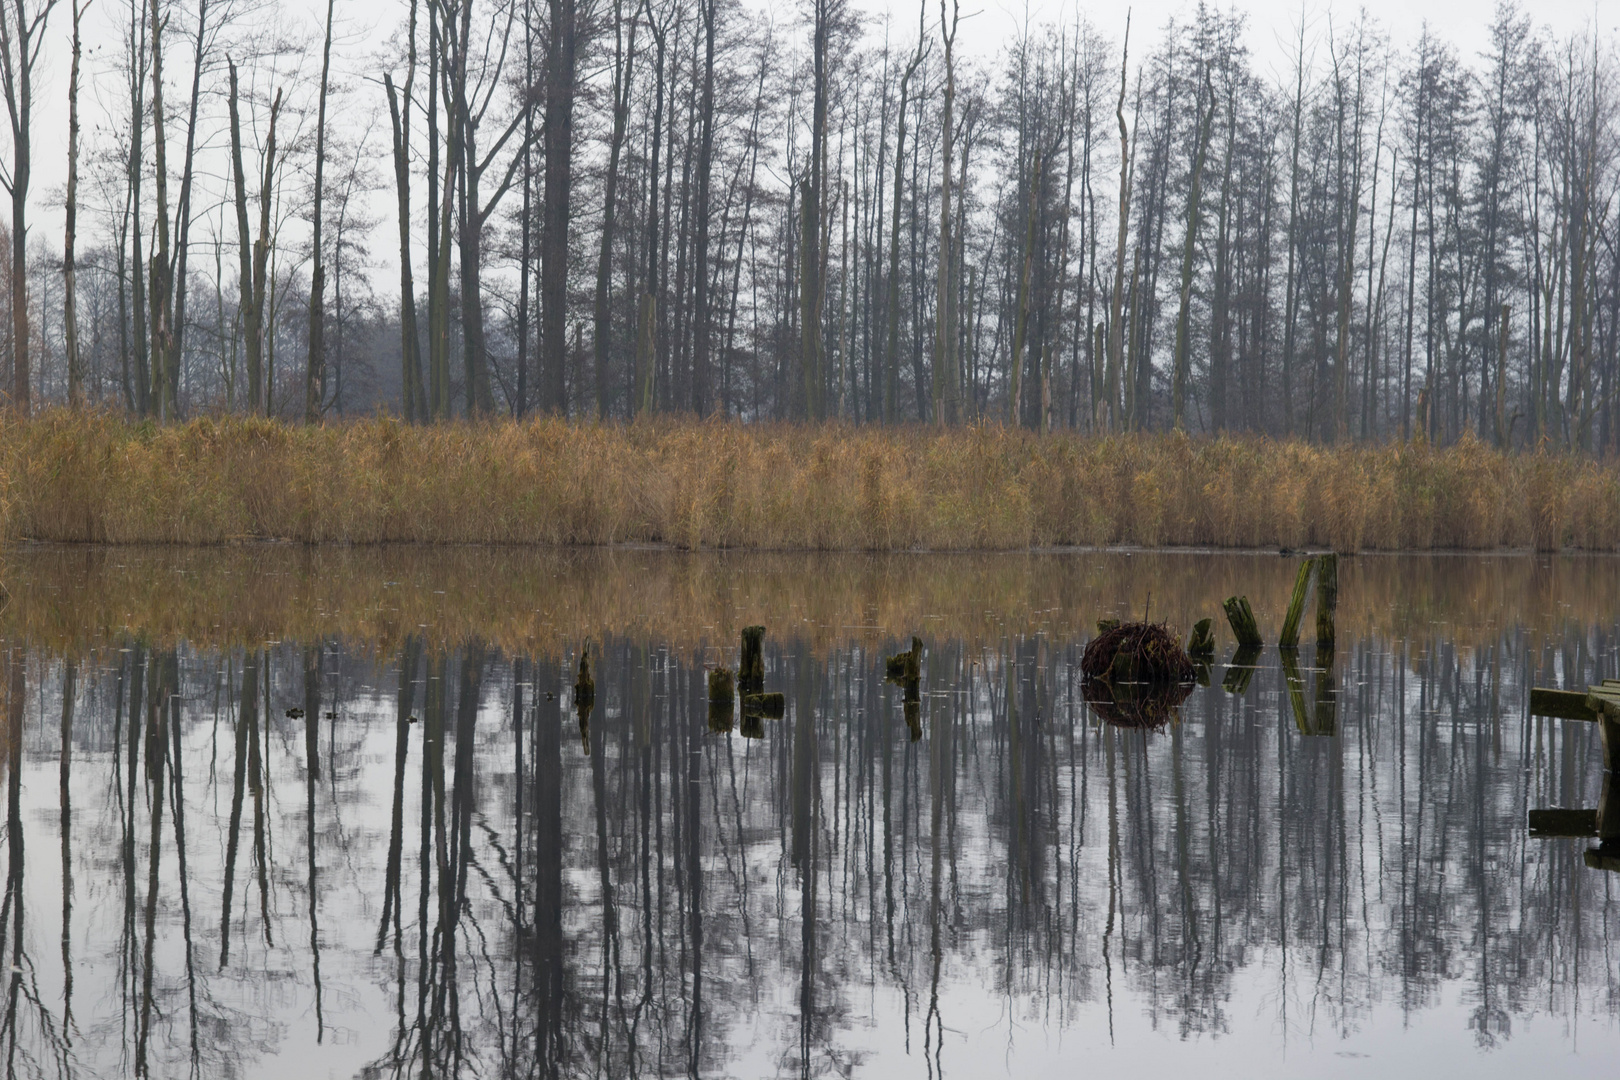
<point x="1137" y="653"/>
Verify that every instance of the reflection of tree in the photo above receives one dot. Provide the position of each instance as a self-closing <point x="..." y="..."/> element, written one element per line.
<point x="1343" y="830"/>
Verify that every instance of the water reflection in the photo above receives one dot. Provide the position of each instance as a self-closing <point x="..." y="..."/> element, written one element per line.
<point x="428" y="859"/>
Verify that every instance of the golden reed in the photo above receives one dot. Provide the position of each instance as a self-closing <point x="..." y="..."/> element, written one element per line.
<point x="103" y="479"/>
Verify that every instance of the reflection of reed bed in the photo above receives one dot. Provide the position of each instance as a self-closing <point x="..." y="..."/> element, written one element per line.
<point x="1135" y="705"/>
<point x="546" y="601"/>
<point x="101" y="478"/>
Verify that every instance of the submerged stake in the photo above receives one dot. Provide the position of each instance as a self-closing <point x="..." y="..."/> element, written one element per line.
<point x="1296" y="606"/>
<point x="1241" y="616"/>
<point x="1202" y="642"/>
<point x="1327" y="597"/>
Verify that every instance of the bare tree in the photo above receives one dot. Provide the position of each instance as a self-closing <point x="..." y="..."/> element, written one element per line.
<point x="70" y="292"/>
<point x="22" y="33"/>
<point x="315" y="373"/>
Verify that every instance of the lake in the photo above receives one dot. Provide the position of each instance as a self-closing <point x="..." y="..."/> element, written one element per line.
<point x="281" y="811"/>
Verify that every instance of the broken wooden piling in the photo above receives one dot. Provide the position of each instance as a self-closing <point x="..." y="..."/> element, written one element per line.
<point x="1201" y="645"/>
<point x="1327" y="597"/>
<point x="1244" y="628"/>
<point x="1289" y="639"/>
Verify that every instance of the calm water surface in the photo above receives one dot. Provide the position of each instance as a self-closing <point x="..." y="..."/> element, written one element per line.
<point x="279" y="813"/>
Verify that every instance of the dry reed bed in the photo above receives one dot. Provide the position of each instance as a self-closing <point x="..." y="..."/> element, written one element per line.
<point x="103" y="479"/>
<point x="75" y="600"/>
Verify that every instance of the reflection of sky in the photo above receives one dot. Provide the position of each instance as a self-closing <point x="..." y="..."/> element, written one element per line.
<point x="1260" y="879"/>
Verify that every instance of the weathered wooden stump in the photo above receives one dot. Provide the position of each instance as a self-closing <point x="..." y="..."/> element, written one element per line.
<point x="1327" y="597"/>
<point x="1289" y="639"/>
<point x="721" y="714"/>
<point x="1244" y="628"/>
<point x="751" y="727"/>
<point x="1201" y="645"/>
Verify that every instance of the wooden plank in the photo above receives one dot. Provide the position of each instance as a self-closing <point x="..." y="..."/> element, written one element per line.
<point x="1555" y="823"/>
<point x="1606" y="857"/>
<point x="1565" y="704"/>
<point x="1603" y="702"/>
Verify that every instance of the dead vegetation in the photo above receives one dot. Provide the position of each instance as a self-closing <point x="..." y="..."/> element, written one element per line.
<point x="101" y="478"/>
<point x="1137" y="652"/>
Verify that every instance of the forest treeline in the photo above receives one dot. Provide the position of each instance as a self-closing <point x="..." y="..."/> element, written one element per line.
<point x="611" y="208"/>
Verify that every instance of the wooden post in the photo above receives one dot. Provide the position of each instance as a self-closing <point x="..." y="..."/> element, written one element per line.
<point x="1608" y="813"/>
<point x="720" y="715"/>
<point x="1610" y="729"/>
<point x="1296" y="607"/>
<point x="1202" y="642"/>
<point x="1327" y="597"/>
<point x="1244" y="628"/>
<point x="751" y="664"/>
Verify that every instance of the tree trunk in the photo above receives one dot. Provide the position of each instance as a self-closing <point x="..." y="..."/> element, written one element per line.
<point x="315" y="372"/>
<point x="624" y="56"/>
<point x="703" y="396"/>
<point x="70" y="307"/>
<point x="1183" y="364"/>
<point x="1116" y="314"/>
<point x="558" y="135"/>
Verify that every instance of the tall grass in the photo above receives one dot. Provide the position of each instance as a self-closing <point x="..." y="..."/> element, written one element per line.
<point x="101" y="478"/>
